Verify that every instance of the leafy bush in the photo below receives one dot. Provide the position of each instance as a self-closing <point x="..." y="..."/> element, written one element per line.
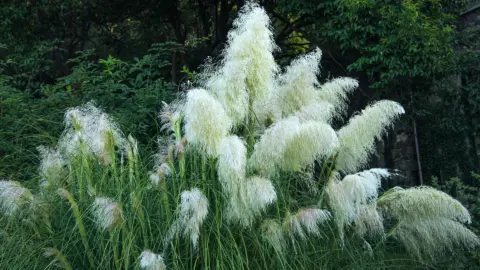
<point x="133" y="91"/>
<point x="253" y="176"/>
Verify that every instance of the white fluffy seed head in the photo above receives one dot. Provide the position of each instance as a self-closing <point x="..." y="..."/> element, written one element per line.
<point x="297" y="85"/>
<point x="206" y="121"/>
<point x="89" y="130"/>
<point x="151" y="261"/>
<point x="357" y="138"/>
<point x="336" y="93"/>
<point x="13" y="196"/>
<point x="269" y="150"/>
<point x="311" y="141"/>
<point x="171" y="114"/>
<point x="306" y="221"/>
<point x="420" y="203"/>
<point x="107" y="213"/>
<point x="232" y="160"/>
<point x="192" y="214"/>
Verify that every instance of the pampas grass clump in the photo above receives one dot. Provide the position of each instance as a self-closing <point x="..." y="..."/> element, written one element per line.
<point x="249" y="175"/>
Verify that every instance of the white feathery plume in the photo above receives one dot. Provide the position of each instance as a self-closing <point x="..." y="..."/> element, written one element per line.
<point x="51" y="161"/>
<point x="107" y="213"/>
<point x="369" y="222"/>
<point x="51" y="166"/>
<point x="357" y="138"/>
<point x="259" y="194"/>
<point x="297" y="85"/>
<point x="306" y="220"/>
<point x="347" y="198"/>
<point x="434" y="237"/>
<point x="311" y="141"/>
<point x="336" y="93"/>
<point x="248" y="67"/>
<point x="151" y="261"/>
<point x="232" y="160"/>
<point x="206" y="121"/>
<point x="251" y="199"/>
<point x="420" y="203"/>
<point x="92" y="127"/>
<point x="13" y="196"/>
<point x="269" y="150"/>
<point x="192" y="214"/>
<point x="272" y="232"/>
<point x="320" y="111"/>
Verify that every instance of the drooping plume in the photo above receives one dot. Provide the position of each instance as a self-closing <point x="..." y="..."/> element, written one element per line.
<point x="13" y="196"/>
<point x="347" y="198"/>
<point x="306" y="221"/>
<point x="89" y="130"/>
<point x="357" y="138"/>
<point x="420" y="203"/>
<point x="369" y="222"/>
<point x="192" y="214"/>
<point x="248" y="67"/>
<point x="433" y="238"/>
<point x="206" y="121"/>
<point x="107" y="213"/>
<point x="297" y="85"/>
<point x="336" y="93"/>
<point x="151" y="261"/>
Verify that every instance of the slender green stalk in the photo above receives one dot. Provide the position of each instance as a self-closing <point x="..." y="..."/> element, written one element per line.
<point x="78" y="220"/>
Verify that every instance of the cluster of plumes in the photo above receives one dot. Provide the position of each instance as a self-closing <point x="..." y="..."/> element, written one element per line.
<point x="107" y="213"/>
<point x="191" y="215"/>
<point x="88" y="130"/>
<point x="151" y="261"/>
<point x="430" y="222"/>
<point x="352" y="200"/>
<point x="357" y="138"/>
<point x="248" y="68"/>
<point x="246" y="198"/>
<point x="13" y="196"/>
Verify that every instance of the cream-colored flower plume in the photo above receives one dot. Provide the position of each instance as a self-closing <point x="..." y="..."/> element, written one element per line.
<point x="13" y="196"/>
<point x="357" y="138"/>
<point x="206" y="121"/>
<point x="151" y="261"/>
<point x="108" y="214"/>
<point x="297" y="85"/>
<point x="336" y="92"/>
<point x="306" y="221"/>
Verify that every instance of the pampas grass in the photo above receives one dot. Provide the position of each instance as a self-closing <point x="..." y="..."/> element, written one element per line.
<point x="250" y="175"/>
